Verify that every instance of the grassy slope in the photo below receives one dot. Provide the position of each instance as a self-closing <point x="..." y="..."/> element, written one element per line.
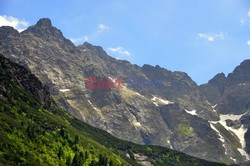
<point x="33" y="135"/>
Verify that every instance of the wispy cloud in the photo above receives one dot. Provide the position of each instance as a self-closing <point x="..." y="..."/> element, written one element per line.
<point x="248" y="13"/>
<point x="211" y="37"/>
<point x="100" y="29"/>
<point x="248" y="42"/>
<point x="103" y="27"/>
<point x="80" y="39"/>
<point x="19" y="25"/>
<point x="120" y="50"/>
<point x="246" y="19"/>
<point x="243" y="21"/>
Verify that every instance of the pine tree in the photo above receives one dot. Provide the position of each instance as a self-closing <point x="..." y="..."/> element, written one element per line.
<point x="68" y="161"/>
<point x="82" y="156"/>
<point x="76" y="140"/>
<point x="60" y="153"/>
<point x="76" y="159"/>
<point x="63" y="132"/>
<point x="111" y="163"/>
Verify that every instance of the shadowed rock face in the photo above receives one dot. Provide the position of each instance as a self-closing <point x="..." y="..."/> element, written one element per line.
<point x="142" y="115"/>
<point x="231" y="93"/>
<point x="27" y="80"/>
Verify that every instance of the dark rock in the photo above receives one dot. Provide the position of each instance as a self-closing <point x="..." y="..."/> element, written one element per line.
<point x="46" y="22"/>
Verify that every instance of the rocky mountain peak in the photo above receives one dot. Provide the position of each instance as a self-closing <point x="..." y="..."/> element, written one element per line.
<point x="8" y="31"/>
<point x="156" y="68"/>
<point x="218" y="79"/>
<point x="243" y="67"/>
<point x="86" y="45"/>
<point x="241" y="72"/>
<point x="92" y="47"/>
<point x="44" y="29"/>
<point x="45" y="22"/>
<point x="245" y="64"/>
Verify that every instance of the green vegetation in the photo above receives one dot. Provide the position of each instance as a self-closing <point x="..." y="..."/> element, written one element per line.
<point x="33" y="135"/>
<point x="127" y="93"/>
<point x="186" y="130"/>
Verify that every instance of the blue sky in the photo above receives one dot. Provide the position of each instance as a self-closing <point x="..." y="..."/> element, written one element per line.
<point x="201" y="38"/>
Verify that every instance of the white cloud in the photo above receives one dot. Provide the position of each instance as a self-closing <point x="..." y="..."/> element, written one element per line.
<point x="243" y="21"/>
<point x="19" y="25"/>
<point x="103" y="27"/>
<point x="120" y="50"/>
<point x="80" y="39"/>
<point x="248" y="13"/>
<point x="100" y="29"/>
<point x="246" y="19"/>
<point x="248" y="42"/>
<point x="211" y="37"/>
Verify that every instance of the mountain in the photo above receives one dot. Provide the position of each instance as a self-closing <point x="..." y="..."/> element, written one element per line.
<point x="155" y="106"/>
<point x="35" y="131"/>
<point x="231" y="99"/>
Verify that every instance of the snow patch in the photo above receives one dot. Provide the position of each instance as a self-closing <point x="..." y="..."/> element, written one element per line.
<point x="64" y="90"/>
<point x="92" y="105"/>
<point x="244" y="153"/>
<point x="231" y="117"/>
<point x="221" y="138"/>
<point x="155" y="104"/>
<point x="137" y="124"/>
<point x="233" y="159"/>
<point x="157" y="101"/>
<point x="240" y="132"/>
<point x="168" y="141"/>
<point x="139" y="94"/>
<point x="193" y="112"/>
<point x="112" y="79"/>
<point x="214" y="110"/>
<point x="214" y="106"/>
<point x="242" y="84"/>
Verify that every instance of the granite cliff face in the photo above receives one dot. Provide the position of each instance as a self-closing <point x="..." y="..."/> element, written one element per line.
<point x="179" y="115"/>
